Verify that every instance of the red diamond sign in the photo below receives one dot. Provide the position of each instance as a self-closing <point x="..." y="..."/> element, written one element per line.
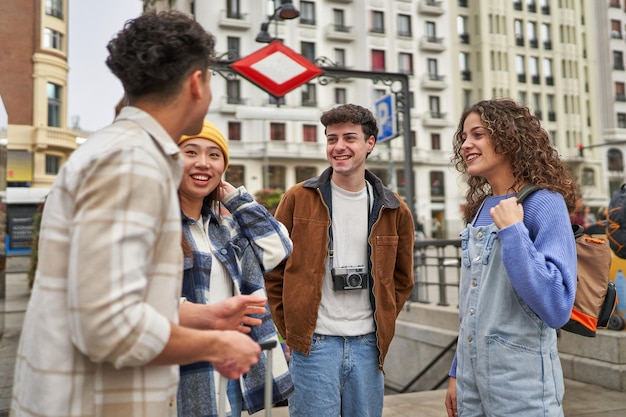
<point x="276" y="69"/>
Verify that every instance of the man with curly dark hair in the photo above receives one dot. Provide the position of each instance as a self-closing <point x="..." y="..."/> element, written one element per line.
<point x="518" y="265"/>
<point x="101" y="334"/>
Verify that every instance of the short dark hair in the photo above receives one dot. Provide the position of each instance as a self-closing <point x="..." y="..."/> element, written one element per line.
<point x="154" y="53"/>
<point x="351" y="113"/>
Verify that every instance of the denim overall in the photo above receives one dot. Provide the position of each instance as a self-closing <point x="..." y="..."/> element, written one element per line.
<point x="507" y="359"/>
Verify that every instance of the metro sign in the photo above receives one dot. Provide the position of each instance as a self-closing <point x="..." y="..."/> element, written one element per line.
<point x="276" y="69"/>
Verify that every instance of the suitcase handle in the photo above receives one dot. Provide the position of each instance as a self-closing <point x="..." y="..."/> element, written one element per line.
<point x="269" y="345"/>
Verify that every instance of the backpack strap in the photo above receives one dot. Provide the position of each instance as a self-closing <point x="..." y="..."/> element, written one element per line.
<point x="525" y="192"/>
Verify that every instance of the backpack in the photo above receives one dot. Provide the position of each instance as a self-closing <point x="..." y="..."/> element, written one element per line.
<point x="596" y="295"/>
<point x="616" y="222"/>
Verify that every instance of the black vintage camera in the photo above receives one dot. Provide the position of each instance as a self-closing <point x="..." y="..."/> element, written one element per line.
<point x="349" y="278"/>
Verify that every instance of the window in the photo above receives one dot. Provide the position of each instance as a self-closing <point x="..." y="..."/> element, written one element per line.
<point x="378" y="60"/>
<point x="277" y="176"/>
<point x="621" y="120"/>
<point x="616" y="29"/>
<point x="431" y="32"/>
<point x="435" y="110"/>
<point x="307" y="49"/>
<point x="547" y="71"/>
<point x="466" y="74"/>
<point x="615" y="159"/>
<point x="467" y="98"/>
<point x="618" y="60"/>
<point x="54" y="105"/>
<point x="340" y="96"/>
<point x="461" y="27"/>
<point x="233" y="9"/>
<point x="520" y="67"/>
<point x="54" y="8"/>
<point x="589" y="177"/>
<point x="309" y="96"/>
<point x="436" y="184"/>
<point x="620" y="94"/>
<point x="433" y="72"/>
<point x="233" y="92"/>
<point x="277" y="131"/>
<point x="534" y="69"/>
<point x="519" y="33"/>
<point x="234" y="46"/>
<point x="307" y="13"/>
<point x="532" y="34"/>
<point x="405" y="63"/>
<point x="614" y="3"/>
<point x="435" y="141"/>
<point x="304" y="173"/>
<point x="235" y="174"/>
<point x="340" y="57"/>
<point x="52" y="39"/>
<point x="276" y="100"/>
<point x="545" y="36"/>
<point x="400" y="182"/>
<point x="550" y="105"/>
<point x="309" y="133"/>
<point x="379" y="93"/>
<point x="234" y="130"/>
<point x="517" y="4"/>
<point x="404" y="25"/>
<point x="339" y="21"/>
<point x="378" y="22"/>
<point x="53" y="163"/>
<point x="537" y="104"/>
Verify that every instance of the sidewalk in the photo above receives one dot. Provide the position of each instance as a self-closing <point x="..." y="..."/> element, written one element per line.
<point x="581" y="400"/>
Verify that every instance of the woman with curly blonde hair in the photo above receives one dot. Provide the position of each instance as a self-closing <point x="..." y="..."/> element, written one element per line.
<point x="518" y="269"/>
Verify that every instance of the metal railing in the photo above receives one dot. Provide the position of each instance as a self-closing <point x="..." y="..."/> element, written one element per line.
<point x="436" y="264"/>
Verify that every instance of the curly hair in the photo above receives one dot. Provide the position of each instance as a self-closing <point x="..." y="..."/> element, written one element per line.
<point x="351" y="113"/>
<point x="518" y="136"/>
<point x="155" y="52"/>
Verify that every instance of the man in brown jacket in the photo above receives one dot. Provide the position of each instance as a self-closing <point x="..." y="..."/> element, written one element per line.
<point x="336" y="299"/>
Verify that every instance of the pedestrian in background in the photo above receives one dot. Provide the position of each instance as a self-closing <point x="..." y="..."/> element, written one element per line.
<point x="518" y="266"/>
<point x="100" y="336"/>
<point x="336" y="298"/>
<point x="230" y="241"/>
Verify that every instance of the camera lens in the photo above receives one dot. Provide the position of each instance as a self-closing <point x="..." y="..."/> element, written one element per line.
<point x="354" y="280"/>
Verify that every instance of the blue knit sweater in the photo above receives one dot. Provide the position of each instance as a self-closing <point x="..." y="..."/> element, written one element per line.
<point x="539" y="255"/>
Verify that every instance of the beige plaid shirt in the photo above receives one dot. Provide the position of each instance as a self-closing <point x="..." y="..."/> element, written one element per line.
<point x="108" y="281"/>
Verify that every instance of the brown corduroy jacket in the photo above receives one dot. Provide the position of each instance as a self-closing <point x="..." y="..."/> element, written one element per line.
<point x="294" y="288"/>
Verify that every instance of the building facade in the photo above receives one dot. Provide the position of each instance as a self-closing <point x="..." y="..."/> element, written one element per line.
<point x="611" y="75"/>
<point x="33" y="86"/>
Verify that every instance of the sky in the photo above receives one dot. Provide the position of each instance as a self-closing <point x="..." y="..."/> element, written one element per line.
<point x="93" y="91"/>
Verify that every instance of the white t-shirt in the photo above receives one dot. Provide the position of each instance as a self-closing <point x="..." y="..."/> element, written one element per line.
<point x="347" y="313"/>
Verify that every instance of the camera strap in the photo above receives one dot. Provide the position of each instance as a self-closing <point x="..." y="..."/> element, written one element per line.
<point x="331" y="252"/>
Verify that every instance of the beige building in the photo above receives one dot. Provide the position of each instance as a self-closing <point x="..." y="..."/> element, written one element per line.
<point x="545" y="54"/>
<point x="33" y="84"/>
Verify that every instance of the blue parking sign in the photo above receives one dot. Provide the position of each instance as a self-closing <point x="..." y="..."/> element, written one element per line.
<point x="386" y="118"/>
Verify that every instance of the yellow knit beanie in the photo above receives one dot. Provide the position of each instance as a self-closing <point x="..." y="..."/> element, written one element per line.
<point x="211" y="132"/>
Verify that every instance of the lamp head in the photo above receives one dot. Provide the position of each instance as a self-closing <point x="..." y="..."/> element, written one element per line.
<point x="264" y="36"/>
<point x="287" y="10"/>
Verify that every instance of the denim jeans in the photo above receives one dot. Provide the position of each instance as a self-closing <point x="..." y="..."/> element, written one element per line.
<point x="339" y="378"/>
<point x="234" y="397"/>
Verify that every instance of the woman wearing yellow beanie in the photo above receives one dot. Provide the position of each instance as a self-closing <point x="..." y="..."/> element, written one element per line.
<point x="230" y="241"/>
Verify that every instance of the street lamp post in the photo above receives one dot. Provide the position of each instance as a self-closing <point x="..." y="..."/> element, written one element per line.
<point x="285" y="11"/>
